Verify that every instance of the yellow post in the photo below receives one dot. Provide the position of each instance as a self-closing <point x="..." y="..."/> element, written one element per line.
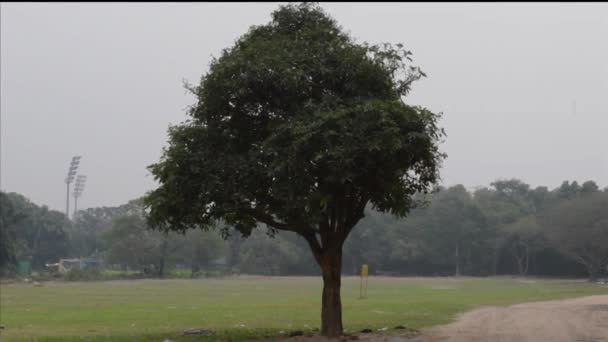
<point x="364" y="272"/>
<point x="365" y="288"/>
<point x="361" y="287"/>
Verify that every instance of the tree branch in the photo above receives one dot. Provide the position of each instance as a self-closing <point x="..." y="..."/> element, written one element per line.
<point x="316" y="248"/>
<point x="357" y="214"/>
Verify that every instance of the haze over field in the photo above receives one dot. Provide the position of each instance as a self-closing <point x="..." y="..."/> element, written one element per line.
<point x="523" y="87"/>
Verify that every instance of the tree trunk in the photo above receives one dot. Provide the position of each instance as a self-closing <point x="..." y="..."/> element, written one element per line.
<point x="161" y="267"/>
<point x="331" y="308"/>
<point x="457" y="260"/>
<point x="527" y="261"/>
<point x="593" y="271"/>
<point x="495" y="258"/>
<point x="521" y="254"/>
<point x="194" y="268"/>
<point x="468" y="266"/>
<point x="519" y="262"/>
<point x="161" y="261"/>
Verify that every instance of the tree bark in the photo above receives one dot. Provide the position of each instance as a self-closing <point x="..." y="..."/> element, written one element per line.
<point x="495" y="258"/>
<point x="161" y="261"/>
<point x="457" y="259"/>
<point x="161" y="267"/>
<point x="527" y="260"/>
<point x="194" y="268"/>
<point x="331" y="307"/>
<point x="593" y="271"/>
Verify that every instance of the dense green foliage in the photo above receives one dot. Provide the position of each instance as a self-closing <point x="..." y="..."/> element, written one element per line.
<point x="505" y="229"/>
<point x="299" y="127"/>
<point x="579" y="228"/>
<point x="119" y="236"/>
<point x="30" y="232"/>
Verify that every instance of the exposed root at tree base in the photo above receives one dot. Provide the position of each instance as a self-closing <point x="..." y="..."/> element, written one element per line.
<point x="395" y="335"/>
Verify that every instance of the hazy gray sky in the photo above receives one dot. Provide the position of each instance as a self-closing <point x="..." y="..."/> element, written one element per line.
<point x="523" y="87"/>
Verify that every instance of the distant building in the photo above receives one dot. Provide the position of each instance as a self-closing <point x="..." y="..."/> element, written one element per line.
<point x="65" y="265"/>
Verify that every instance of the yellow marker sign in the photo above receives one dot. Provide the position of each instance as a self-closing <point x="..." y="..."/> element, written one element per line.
<point x="364" y="273"/>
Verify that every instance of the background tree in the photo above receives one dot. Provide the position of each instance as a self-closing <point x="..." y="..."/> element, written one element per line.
<point x="47" y="240"/>
<point x="579" y="228"/>
<point x="367" y="244"/>
<point x="132" y="245"/>
<point x="32" y="232"/>
<point x="90" y="224"/>
<point x="502" y="205"/>
<point x="261" y="255"/>
<point x="10" y="214"/>
<point x="199" y="248"/>
<point x="524" y="237"/>
<point x="589" y="187"/>
<point x="452" y="227"/>
<point x="128" y="243"/>
<point x="299" y="127"/>
<point x="569" y="190"/>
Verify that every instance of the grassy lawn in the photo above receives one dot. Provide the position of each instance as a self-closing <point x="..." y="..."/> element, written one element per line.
<point x="249" y="307"/>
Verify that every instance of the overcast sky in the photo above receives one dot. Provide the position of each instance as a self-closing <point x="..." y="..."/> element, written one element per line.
<point x="523" y="87"/>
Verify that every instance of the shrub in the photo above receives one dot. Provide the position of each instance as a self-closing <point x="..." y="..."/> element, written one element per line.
<point x="84" y="275"/>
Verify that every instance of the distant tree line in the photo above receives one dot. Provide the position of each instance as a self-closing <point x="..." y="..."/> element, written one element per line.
<point x="507" y="228"/>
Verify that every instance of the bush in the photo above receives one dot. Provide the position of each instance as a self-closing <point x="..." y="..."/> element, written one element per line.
<point x="180" y="273"/>
<point x="9" y="271"/>
<point x="46" y="276"/>
<point x="84" y="275"/>
<point x="215" y="274"/>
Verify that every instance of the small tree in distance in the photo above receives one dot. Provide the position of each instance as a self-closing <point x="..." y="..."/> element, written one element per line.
<point x="299" y="127"/>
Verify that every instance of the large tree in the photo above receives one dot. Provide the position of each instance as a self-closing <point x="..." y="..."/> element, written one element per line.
<point x="11" y="213"/>
<point x="199" y="248"/>
<point x="299" y="127"/>
<point x="579" y="228"/>
<point x="523" y="238"/>
<point x="31" y="231"/>
<point x="131" y="244"/>
<point x="452" y="227"/>
<point x="90" y="224"/>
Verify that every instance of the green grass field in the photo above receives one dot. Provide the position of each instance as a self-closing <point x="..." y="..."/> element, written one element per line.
<point x="250" y="307"/>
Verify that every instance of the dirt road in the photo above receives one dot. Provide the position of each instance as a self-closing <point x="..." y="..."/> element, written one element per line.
<point x="572" y="320"/>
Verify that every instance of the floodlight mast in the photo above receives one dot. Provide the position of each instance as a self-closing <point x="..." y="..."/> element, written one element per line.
<point x="78" y="189"/>
<point x="68" y="180"/>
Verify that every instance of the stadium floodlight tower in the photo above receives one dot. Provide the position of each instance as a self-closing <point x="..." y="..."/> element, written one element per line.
<point x="78" y="188"/>
<point x="69" y="179"/>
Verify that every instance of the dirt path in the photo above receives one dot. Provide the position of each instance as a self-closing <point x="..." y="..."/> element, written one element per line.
<point x="572" y="320"/>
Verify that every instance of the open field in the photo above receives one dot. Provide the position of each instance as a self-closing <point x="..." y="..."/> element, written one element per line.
<point x="250" y="307"/>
